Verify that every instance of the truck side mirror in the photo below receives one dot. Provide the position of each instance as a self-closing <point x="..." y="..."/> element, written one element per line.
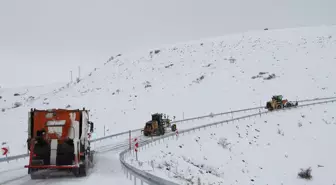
<point x="91" y="126"/>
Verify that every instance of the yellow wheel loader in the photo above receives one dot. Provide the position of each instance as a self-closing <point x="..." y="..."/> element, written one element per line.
<point x="157" y="126"/>
<point x="278" y="103"/>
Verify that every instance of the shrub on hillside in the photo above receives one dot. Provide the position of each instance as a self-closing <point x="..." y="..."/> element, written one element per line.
<point x="223" y="142"/>
<point x="198" y="80"/>
<point x="45" y="101"/>
<point x="208" y="65"/>
<point x="147" y="84"/>
<point x="300" y="124"/>
<point x="199" y="181"/>
<point x="272" y="76"/>
<point x="157" y="51"/>
<point x="168" y="66"/>
<point x="17" y="104"/>
<point x="232" y="60"/>
<point x="305" y="174"/>
<point x="151" y="53"/>
<point x="281" y="132"/>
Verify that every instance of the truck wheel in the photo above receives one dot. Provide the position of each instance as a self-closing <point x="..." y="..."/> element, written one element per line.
<point x="31" y="170"/>
<point x="91" y="159"/>
<point x="83" y="168"/>
<point x="81" y="171"/>
<point x="173" y="128"/>
<point x="34" y="174"/>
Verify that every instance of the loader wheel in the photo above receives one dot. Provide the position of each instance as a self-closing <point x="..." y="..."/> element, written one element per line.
<point x="161" y="131"/>
<point x="268" y="105"/>
<point x="173" y="127"/>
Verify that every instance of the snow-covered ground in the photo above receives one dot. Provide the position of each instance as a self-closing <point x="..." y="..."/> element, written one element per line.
<point x="107" y="170"/>
<point x="107" y="160"/>
<point x="198" y="78"/>
<point x="265" y="150"/>
<point x="191" y="79"/>
<point x="14" y="97"/>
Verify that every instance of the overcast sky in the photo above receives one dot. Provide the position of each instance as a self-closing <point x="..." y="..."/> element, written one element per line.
<point x="42" y="40"/>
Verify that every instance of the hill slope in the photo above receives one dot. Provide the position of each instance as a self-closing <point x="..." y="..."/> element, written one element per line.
<point x="15" y="97"/>
<point x="213" y="75"/>
<point x="262" y="150"/>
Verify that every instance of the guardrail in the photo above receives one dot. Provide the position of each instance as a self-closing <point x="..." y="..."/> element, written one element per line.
<point x="15" y="157"/>
<point x="150" y="179"/>
<point x="213" y="115"/>
<point x="22" y="156"/>
<point x="121" y="145"/>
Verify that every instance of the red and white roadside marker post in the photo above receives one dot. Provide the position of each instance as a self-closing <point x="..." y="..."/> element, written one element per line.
<point x="136" y="146"/>
<point x="4" y="150"/>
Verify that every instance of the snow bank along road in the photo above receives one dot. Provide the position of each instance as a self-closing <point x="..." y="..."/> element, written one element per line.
<point x="13" y="172"/>
<point x="150" y="179"/>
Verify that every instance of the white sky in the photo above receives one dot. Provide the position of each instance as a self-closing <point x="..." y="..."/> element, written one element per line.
<point x="42" y="40"/>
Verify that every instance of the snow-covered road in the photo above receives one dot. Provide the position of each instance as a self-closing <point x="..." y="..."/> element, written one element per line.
<point x="107" y="170"/>
<point x="107" y="167"/>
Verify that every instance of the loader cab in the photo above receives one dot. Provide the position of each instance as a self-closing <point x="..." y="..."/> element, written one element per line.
<point x="277" y="98"/>
<point x="153" y="124"/>
<point x="157" y="117"/>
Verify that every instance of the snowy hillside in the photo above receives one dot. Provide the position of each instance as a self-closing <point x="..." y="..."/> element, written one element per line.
<point x="264" y="150"/>
<point x="196" y="78"/>
<point x="15" y="97"/>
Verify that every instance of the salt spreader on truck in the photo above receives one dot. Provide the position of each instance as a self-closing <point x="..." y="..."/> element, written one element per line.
<point x="58" y="140"/>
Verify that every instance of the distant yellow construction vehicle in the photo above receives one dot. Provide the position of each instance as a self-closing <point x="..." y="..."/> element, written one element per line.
<point x="157" y="126"/>
<point x="278" y="103"/>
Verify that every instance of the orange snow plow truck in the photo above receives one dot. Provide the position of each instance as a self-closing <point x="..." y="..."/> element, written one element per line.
<point x="58" y="140"/>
